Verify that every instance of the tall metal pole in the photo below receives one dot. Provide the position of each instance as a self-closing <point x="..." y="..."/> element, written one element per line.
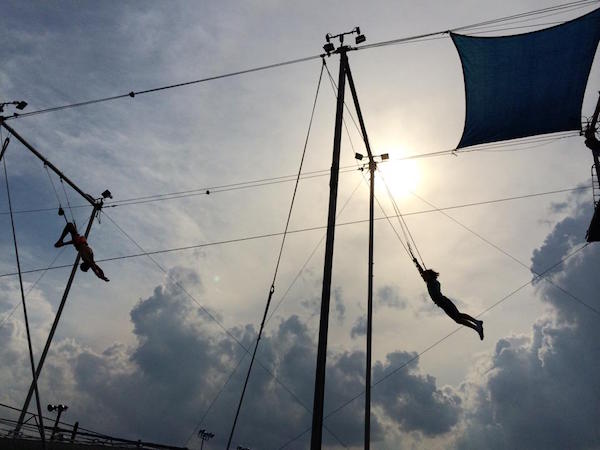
<point x="97" y="207"/>
<point x="31" y="359"/>
<point x="87" y="197"/>
<point x="319" y="397"/>
<point x="372" y="168"/>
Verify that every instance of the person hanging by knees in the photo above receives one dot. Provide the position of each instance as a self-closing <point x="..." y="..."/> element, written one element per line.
<point x="435" y="292"/>
<point x="82" y="247"/>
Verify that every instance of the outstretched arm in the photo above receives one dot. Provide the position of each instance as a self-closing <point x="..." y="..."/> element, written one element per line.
<point x="418" y="266"/>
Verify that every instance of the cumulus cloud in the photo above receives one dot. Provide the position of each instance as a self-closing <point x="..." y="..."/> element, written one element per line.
<point x="159" y="388"/>
<point x="390" y="297"/>
<point x="541" y="391"/>
<point x="360" y="327"/>
<point x="414" y="399"/>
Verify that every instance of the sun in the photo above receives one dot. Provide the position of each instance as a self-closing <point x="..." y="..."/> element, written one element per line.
<point x="401" y="177"/>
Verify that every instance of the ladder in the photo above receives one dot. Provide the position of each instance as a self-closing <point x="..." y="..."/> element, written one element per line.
<point x="595" y="186"/>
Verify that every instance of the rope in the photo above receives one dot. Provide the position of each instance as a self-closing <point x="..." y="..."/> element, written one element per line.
<point x="303" y="230"/>
<point x="206" y="311"/>
<point x="133" y="94"/>
<point x="60" y="208"/>
<point x="68" y="203"/>
<point x="281" y="300"/>
<point x="272" y="288"/>
<point x="404" y="226"/>
<point x="492" y="148"/>
<point x="566" y="7"/>
<point x="504" y="252"/>
<point x="438" y="342"/>
<point x="48" y="267"/>
<point x="31" y="360"/>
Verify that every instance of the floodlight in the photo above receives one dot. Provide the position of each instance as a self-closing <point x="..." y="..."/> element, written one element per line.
<point x="358" y="156"/>
<point x="106" y="194"/>
<point x="21" y="105"/>
<point x="385" y="156"/>
<point x="329" y="47"/>
<point x="50" y="408"/>
<point x="360" y="39"/>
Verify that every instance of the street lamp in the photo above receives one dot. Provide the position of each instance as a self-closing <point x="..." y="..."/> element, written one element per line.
<point x="19" y="104"/>
<point x="60" y="409"/>
<point x="204" y="436"/>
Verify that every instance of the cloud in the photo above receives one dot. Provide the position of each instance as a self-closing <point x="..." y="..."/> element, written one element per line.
<point x="360" y="327"/>
<point x="389" y="296"/>
<point x="340" y="308"/>
<point x="541" y="391"/>
<point x="159" y="388"/>
<point x="413" y="399"/>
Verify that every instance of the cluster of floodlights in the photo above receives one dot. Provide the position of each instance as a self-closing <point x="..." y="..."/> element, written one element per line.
<point x="19" y="104"/>
<point x="329" y="47"/>
<point x="59" y="408"/>
<point x="205" y="435"/>
<point x="384" y="156"/>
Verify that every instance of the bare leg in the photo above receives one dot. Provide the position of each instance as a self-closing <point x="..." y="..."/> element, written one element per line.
<point x="470" y="318"/>
<point x="468" y="321"/>
<point x="69" y="228"/>
<point x="87" y="255"/>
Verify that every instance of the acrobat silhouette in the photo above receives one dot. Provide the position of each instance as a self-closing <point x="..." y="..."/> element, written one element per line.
<point x="85" y="251"/>
<point x="435" y="292"/>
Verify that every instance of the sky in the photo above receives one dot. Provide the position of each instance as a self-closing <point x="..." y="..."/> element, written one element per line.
<point x="158" y="352"/>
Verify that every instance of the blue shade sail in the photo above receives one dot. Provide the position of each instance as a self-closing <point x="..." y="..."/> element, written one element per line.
<point x="526" y="84"/>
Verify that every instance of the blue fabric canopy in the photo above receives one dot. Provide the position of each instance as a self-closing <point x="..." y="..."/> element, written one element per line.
<point x="527" y="84"/>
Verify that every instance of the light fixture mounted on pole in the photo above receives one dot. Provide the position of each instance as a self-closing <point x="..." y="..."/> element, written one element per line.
<point x="319" y="395"/>
<point x="60" y="409"/>
<point x="204" y="436"/>
<point x="19" y="104"/>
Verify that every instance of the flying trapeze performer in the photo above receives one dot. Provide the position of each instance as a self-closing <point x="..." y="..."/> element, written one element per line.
<point x="435" y="292"/>
<point x="81" y="245"/>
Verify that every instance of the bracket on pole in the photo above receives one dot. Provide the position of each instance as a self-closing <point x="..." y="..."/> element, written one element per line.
<point x="330" y="48"/>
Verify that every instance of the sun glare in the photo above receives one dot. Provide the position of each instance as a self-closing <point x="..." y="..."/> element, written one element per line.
<point x="402" y="177"/>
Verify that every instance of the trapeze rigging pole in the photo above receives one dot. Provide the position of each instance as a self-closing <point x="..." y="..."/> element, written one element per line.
<point x="319" y="394"/>
<point x="97" y="208"/>
<point x="24" y="303"/>
<point x="372" y="168"/>
<point x="4" y="146"/>
<point x="47" y="163"/>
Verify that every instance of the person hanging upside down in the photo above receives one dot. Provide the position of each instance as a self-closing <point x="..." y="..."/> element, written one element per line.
<point x="81" y="245"/>
<point x="435" y="292"/>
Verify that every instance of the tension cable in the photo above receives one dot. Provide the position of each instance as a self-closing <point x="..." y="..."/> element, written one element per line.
<point x="31" y="360"/>
<point x="61" y="211"/>
<point x="272" y="288"/>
